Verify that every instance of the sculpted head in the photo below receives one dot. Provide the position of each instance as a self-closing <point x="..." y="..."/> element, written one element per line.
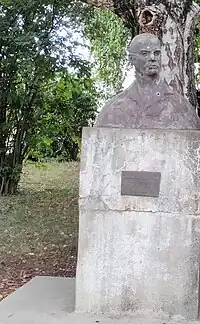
<point x="145" y="55"/>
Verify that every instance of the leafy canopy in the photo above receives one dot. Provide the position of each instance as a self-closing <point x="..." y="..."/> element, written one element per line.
<point x="36" y="42"/>
<point x="108" y="38"/>
<point x="71" y="104"/>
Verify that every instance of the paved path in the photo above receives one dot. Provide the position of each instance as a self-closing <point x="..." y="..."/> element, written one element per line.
<point x="48" y="300"/>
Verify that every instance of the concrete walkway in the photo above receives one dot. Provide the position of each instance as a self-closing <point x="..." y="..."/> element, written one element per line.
<point x="48" y="300"/>
<point x="42" y="300"/>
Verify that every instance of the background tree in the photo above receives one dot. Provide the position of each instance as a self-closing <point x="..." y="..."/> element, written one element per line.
<point x="71" y="103"/>
<point x="32" y="49"/>
<point x="174" y="22"/>
<point x="108" y="39"/>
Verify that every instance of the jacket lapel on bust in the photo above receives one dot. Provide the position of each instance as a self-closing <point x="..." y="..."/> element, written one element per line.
<point x="158" y="94"/>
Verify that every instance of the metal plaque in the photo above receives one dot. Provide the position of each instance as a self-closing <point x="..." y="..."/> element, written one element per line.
<point x="140" y="183"/>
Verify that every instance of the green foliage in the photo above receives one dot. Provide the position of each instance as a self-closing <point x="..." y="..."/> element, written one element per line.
<point x="31" y="51"/>
<point x="70" y="105"/>
<point x="108" y="37"/>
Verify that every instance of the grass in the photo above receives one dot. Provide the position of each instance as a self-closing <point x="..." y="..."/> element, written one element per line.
<point x="38" y="227"/>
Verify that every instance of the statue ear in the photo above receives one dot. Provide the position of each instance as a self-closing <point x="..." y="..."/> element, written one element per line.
<point x="131" y="59"/>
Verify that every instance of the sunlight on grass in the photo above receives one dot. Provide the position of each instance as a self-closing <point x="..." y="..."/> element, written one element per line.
<point x="44" y="213"/>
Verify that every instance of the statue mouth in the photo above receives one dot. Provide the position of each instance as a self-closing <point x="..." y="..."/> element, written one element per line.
<point x="153" y="66"/>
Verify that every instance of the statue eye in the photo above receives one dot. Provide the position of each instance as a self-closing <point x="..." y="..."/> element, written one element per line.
<point x="157" y="53"/>
<point x="144" y="53"/>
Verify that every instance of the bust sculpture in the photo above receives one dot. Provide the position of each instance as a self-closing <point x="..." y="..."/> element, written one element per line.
<point x="148" y="102"/>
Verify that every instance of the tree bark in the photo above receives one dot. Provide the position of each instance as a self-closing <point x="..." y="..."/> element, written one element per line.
<point x="11" y="163"/>
<point x="174" y="23"/>
<point x="8" y="186"/>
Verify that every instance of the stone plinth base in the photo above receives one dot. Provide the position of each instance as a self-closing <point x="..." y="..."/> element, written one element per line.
<point x="139" y="254"/>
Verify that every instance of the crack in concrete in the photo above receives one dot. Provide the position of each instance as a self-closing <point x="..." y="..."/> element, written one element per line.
<point x="195" y="216"/>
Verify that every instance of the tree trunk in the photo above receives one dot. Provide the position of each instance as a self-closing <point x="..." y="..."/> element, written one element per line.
<point x="11" y="159"/>
<point x="8" y="185"/>
<point x="9" y="176"/>
<point x="174" y="23"/>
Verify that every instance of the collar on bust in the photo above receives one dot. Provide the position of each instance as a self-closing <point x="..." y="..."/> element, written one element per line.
<point x="158" y="93"/>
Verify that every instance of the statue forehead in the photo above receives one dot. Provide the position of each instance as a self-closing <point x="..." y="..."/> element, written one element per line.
<point x="144" y="41"/>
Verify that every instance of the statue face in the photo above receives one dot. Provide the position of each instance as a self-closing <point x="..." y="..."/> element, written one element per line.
<point x="146" y="55"/>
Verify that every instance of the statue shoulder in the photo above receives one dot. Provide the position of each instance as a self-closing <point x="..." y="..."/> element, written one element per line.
<point x="116" y="99"/>
<point x="182" y="102"/>
<point x="187" y="114"/>
<point x="110" y="111"/>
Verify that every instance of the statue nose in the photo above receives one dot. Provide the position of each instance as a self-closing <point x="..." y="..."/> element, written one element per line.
<point x="152" y="57"/>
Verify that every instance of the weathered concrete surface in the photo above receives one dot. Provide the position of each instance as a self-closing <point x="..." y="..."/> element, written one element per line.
<point x="42" y="300"/>
<point x="139" y="255"/>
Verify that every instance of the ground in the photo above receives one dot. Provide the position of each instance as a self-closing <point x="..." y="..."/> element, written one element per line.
<point x="39" y="226"/>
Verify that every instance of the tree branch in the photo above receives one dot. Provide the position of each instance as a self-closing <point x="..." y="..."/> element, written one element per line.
<point x="104" y="4"/>
<point x="125" y="9"/>
<point x="195" y="8"/>
<point x="192" y="15"/>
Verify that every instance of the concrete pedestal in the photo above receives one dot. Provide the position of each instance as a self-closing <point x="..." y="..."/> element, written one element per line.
<point x="139" y="254"/>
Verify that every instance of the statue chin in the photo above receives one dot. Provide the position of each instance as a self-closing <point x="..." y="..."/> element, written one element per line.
<point x="149" y="73"/>
<point x="153" y="72"/>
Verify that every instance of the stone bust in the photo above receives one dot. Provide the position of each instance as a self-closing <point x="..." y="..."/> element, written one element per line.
<point x="148" y="102"/>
